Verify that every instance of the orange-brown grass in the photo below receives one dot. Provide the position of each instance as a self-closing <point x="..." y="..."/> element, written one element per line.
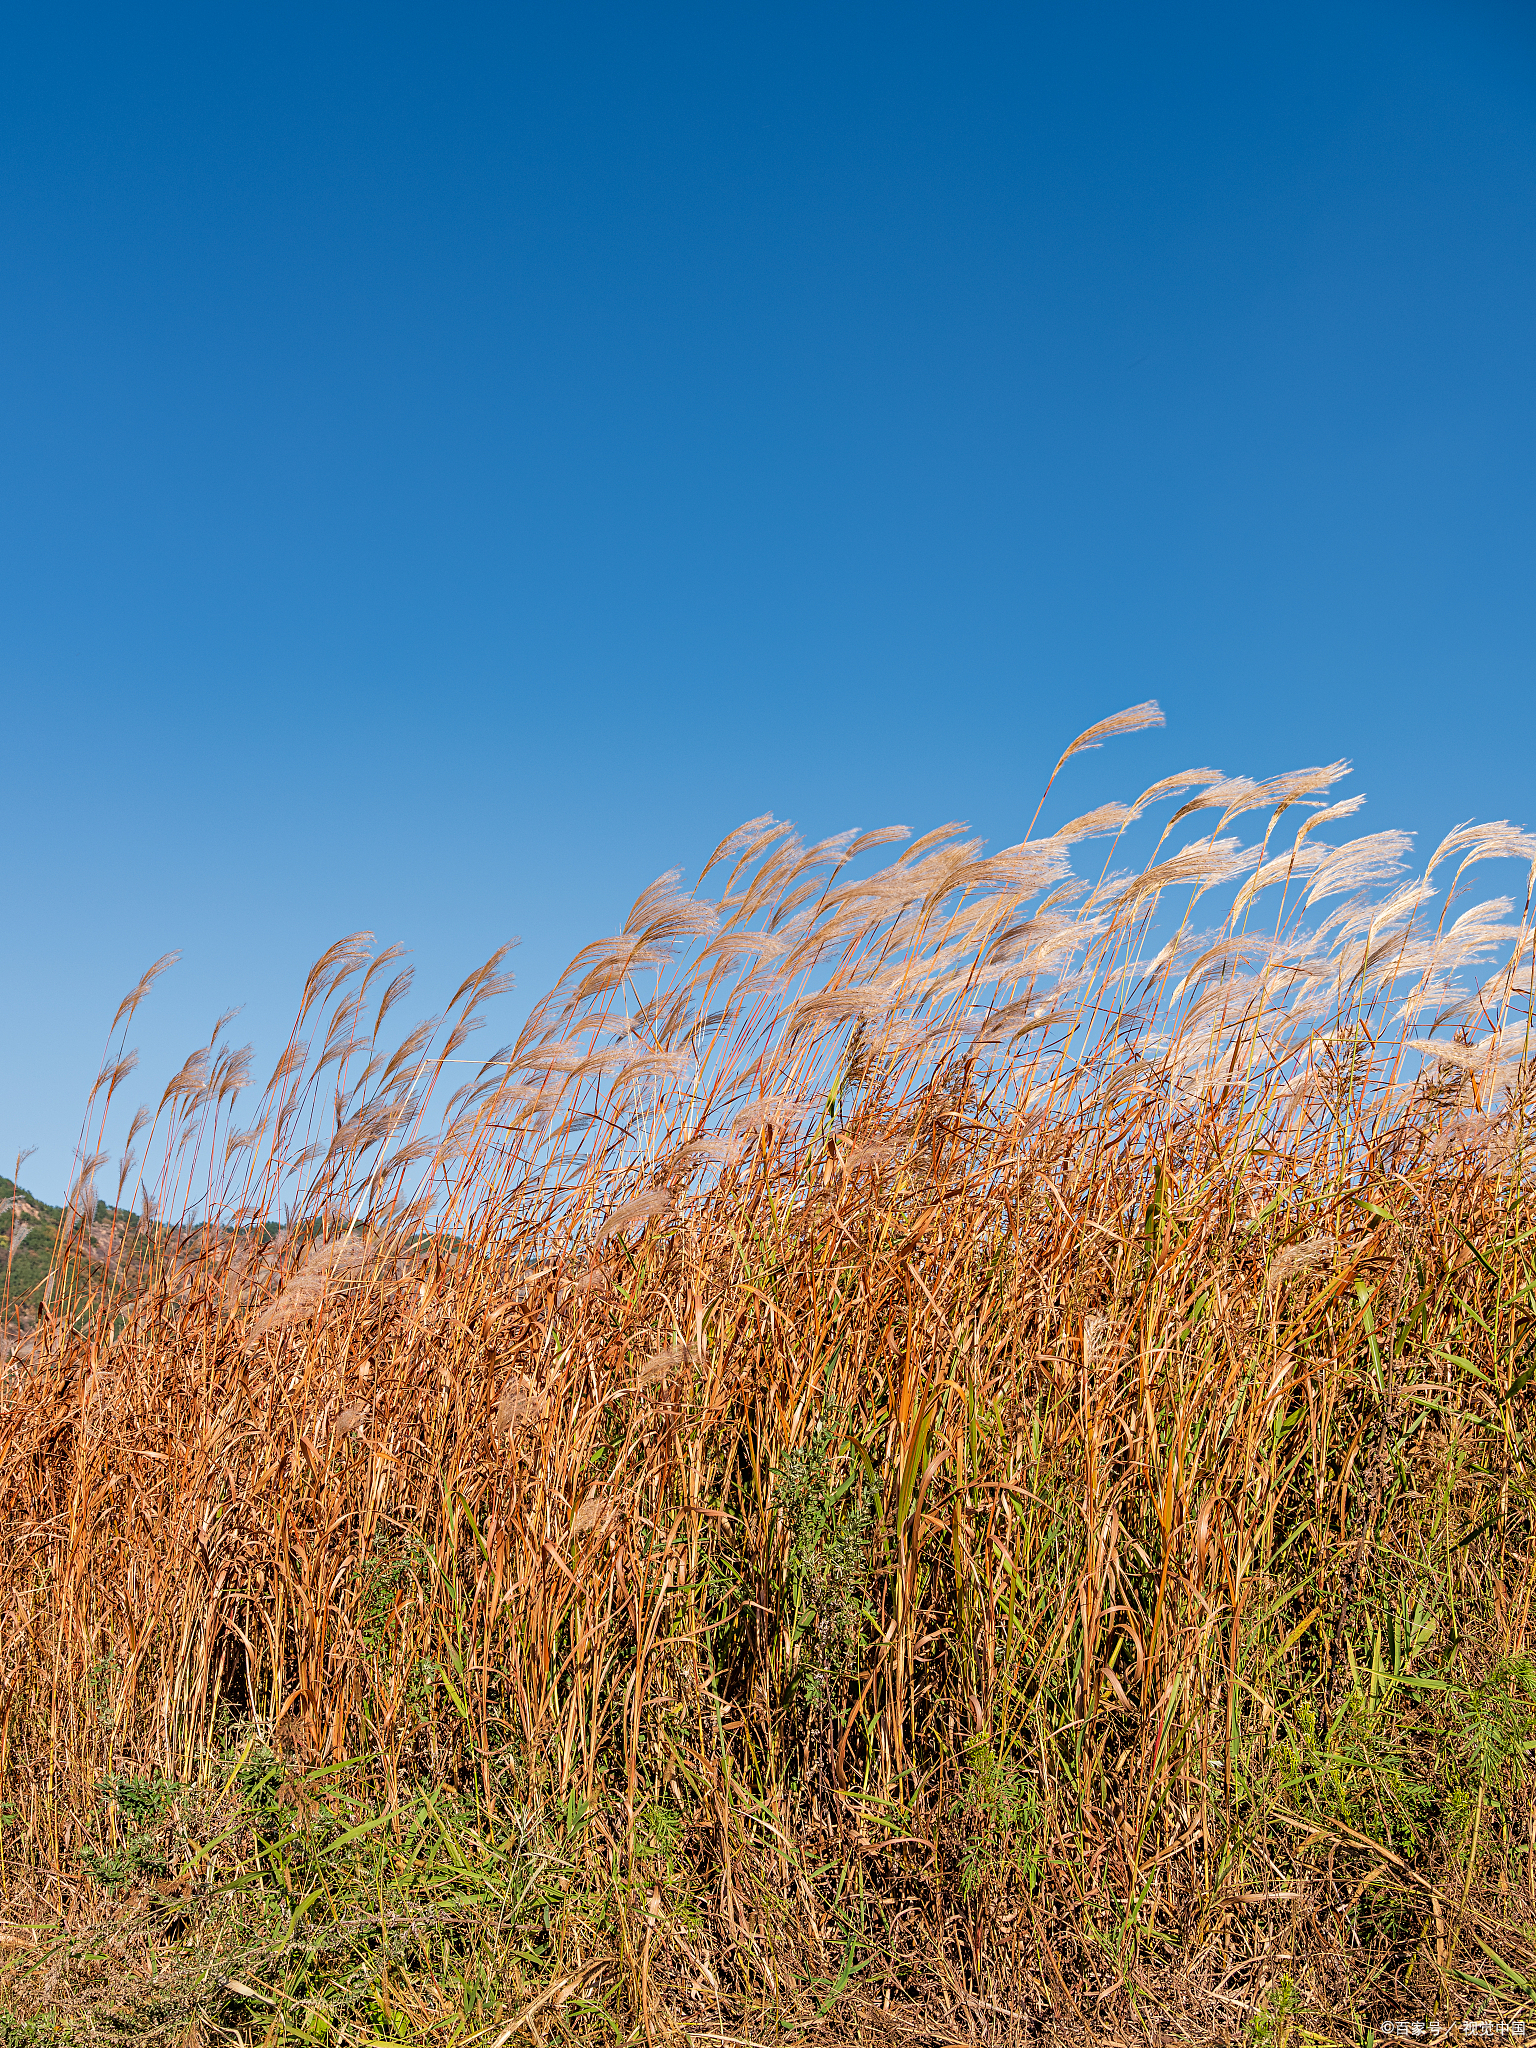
<point x="941" y="1468"/>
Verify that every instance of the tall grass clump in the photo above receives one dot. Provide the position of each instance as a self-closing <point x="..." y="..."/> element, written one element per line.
<point x="938" y="1447"/>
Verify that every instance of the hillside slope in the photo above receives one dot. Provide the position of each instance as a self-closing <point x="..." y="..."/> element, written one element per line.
<point x="29" y="1229"/>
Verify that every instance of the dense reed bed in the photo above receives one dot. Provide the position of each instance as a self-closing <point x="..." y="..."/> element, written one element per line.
<point x="936" y="1449"/>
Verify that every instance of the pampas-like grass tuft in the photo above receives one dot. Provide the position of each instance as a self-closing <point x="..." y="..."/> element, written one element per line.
<point x="946" y="1439"/>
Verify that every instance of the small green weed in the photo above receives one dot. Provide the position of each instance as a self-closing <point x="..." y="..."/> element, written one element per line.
<point x="999" y="1820"/>
<point x="144" y="1802"/>
<point x="827" y="1566"/>
<point x="15" y="2033"/>
<point x="144" y="1805"/>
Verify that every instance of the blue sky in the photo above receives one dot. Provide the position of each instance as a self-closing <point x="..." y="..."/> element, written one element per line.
<point x="456" y="462"/>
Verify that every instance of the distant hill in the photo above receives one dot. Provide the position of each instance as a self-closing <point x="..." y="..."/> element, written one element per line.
<point x="31" y="1226"/>
<point x="29" y="1232"/>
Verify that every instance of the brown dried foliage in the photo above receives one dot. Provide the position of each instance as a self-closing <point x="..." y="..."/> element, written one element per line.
<point x="1029" y="1437"/>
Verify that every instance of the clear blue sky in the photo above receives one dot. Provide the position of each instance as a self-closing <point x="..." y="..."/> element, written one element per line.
<point x="455" y="462"/>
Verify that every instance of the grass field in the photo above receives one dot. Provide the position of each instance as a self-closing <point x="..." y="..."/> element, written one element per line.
<point x="934" y="1453"/>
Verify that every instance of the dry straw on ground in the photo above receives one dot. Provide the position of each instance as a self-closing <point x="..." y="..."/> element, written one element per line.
<point x="936" y="1447"/>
